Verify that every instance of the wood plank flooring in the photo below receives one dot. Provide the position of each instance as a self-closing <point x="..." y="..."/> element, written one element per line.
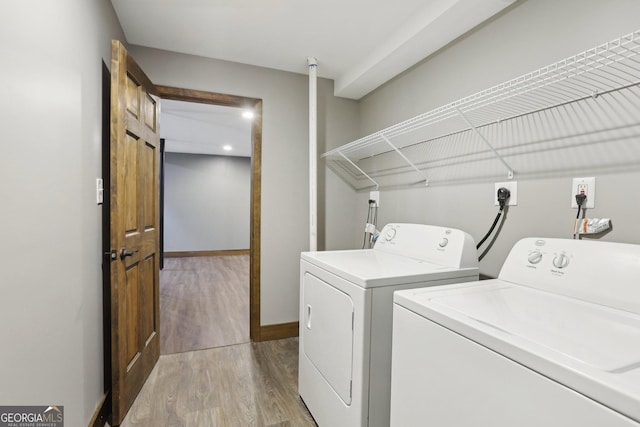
<point x="204" y="302"/>
<point x="253" y="384"/>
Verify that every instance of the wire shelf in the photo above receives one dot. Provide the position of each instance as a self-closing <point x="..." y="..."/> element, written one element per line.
<point x="539" y="123"/>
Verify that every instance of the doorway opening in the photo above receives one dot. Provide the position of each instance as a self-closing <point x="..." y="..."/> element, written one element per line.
<point x="205" y="216"/>
<point x="255" y="105"/>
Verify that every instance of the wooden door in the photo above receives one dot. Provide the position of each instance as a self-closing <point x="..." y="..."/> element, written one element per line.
<point x="135" y="149"/>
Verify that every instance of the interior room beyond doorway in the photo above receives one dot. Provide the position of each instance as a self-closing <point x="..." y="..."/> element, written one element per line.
<point x="204" y="286"/>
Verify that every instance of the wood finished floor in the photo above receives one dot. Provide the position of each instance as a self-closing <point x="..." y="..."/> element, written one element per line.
<point x="204" y="303"/>
<point x="253" y="384"/>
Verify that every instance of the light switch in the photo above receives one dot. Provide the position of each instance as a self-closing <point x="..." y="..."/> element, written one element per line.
<point x="99" y="191"/>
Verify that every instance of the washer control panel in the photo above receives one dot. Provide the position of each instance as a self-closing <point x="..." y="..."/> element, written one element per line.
<point x="541" y="255"/>
<point x="596" y="271"/>
<point x="560" y="260"/>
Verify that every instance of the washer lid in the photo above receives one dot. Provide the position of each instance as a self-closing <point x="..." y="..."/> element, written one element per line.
<point x="606" y="339"/>
<point x="370" y="268"/>
<point x="589" y="347"/>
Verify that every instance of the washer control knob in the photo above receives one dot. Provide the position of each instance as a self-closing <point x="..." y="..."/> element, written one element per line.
<point x="444" y="242"/>
<point x="390" y="234"/>
<point x="535" y="257"/>
<point x="561" y="261"/>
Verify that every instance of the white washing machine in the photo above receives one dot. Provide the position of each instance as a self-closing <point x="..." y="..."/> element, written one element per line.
<point x="554" y="342"/>
<point x="346" y="300"/>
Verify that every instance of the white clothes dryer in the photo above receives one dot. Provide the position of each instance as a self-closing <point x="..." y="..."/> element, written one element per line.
<point x="554" y="342"/>
<point x="346" y="300"/>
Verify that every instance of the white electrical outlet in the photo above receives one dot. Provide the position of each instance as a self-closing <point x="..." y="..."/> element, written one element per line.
<point x="585" y="186"/>
<point x="512" y="186"/>
<point x="375" y="196"/>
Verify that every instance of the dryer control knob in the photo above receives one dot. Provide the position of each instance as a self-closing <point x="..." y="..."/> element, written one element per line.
<point x="535" y="257"/>
<point x="444" y="242"/>
<point x="390" y="234"/>
<point x="561" y="261"/>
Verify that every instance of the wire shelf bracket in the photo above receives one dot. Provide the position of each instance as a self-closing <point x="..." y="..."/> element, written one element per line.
<point x="360" y="170"/>
<point x="409" y="162"/>
<point x="488" y="144"/>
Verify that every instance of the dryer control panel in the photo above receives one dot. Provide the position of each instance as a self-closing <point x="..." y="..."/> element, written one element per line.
<point x="440" y="245"/>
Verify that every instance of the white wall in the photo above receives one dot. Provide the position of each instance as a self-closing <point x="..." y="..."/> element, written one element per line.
<point x="50" y="228"/>
<point x="527" y="36"/>
<point x="206" y="202"/>
<point x="285" y="195"/>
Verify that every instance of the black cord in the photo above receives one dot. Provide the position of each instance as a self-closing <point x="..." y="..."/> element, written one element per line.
<point x="364" y="238"/>
<point x="503" y="196"/>
<point x="369" y="214"/>
<point x="486" y="236"/>
<point x="375" y="215"/>
<point x="580" y="198"/>
<point x="375" y="222"/>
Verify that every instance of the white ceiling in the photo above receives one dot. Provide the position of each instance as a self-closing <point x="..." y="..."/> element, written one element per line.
<point x="204" y="129"/>
<point x="360" y="44"/>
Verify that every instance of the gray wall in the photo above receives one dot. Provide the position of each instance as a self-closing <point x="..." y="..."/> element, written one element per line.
<point x="527" y="36"/>
<point x="285" y="194"/>
<point x="50" y="228"/>
<point x="338" y="123"/>
<point x="50" y="233"/>
<point x="207" y="201"/>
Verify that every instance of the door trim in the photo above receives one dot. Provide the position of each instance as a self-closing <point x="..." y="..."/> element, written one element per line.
<point x="204" y="97"/>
